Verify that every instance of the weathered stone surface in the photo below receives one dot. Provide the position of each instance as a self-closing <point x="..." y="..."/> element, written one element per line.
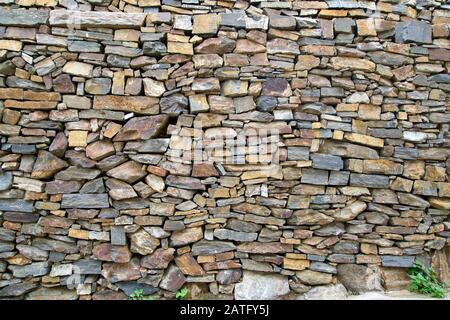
<point x="413" y="31"/>
<point x="328" y="292"/>
<point x="107" y="252"/>
<point x="173" y="279"/>
<point x="96" y="19"/>
<point x="143" y="243"/>
<point x="359" y="279"/>
<point x="16" y="290"/>
<point x="126" y="271"/>
<point x="85" y="201"/>
<point x="142" y="128"/>
<point x="159" y="259"/>
<point x="141" y="104"/>
<point x="186" y="236"/>
<point x="261" y="286"/>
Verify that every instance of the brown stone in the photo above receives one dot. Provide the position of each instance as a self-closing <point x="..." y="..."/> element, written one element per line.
<point x="47" y="165"/>
<point x="140" y="105"/>
<point x="130" y="172"/>
<point x="159" y="259"/>
<point x="108" y="252"/>
<point x="142" y="128"/>
<point x="188" y="265"/>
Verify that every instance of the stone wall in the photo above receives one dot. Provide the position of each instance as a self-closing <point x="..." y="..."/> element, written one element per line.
<point x="246" y="149"/>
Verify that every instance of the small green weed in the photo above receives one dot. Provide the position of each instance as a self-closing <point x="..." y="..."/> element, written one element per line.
<point x="181" y="294"/>
<point x="138" y="294"/>
<point x="425" y="281"/>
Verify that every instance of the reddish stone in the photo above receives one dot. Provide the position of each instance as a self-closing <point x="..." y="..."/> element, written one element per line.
<point x="204" y="170"/>
<point x="63" y="84"/>
<point x="108" y="252"/>
<point x="188" y="265"/>
<point x="159" y="259"/>
<point x="116" y="272"/>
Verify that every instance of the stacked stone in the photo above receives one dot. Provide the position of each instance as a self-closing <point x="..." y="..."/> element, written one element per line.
<point x="104" y="106"/>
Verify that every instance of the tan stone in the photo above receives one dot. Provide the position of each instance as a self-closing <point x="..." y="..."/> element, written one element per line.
<point x="11" y="45"/>
<point x="366" y="27"/>
<point x="205" y="24"/>
<point x="364" y="139"/>
<point x="295" y="264"/>
<point x="340" y="63"/>
<point x="182" y="48"/>
<point x="77" y="138"/>
<point x="78" y="69"/>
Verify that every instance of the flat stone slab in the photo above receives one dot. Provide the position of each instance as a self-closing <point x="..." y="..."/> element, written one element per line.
<point x="85" y="201"/>
<point x="77" y="19"/>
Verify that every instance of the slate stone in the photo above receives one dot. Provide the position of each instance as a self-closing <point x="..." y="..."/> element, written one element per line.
<point x="205" y="247"/>
<point x="85" y="201"/>
<point x="369" y="180"/>
<point x="16" y="205"/>
<point x="413" y="31"/>
<point x="6" y="179"/>
<point x="34" y="269"/>
<point x="397" y="261"/>
<point x="18" y="289"/>
<point x="23" y="18"/>
<point x="327" y="162"/>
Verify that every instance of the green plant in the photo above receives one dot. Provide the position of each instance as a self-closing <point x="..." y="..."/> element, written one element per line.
<point x="425" y="281"/>
<point x="181" y="294"/>
<point x="138" y="294"/>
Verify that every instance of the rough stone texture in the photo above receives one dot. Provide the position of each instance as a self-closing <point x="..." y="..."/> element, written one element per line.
<point x="246" y="149"/>
<point x="261" y="286"/>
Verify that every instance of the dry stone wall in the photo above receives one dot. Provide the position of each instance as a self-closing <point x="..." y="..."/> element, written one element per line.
<point x="246" y="149"/>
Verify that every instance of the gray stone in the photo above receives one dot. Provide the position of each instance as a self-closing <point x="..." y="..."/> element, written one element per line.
<point x="298" y="153"/>
<point x="16" y="205"/>
<point x="389" y="59"/>
<point x="205" y="247"/>
<point x="369" y="180"/>
<point x="17" y="289"/>
<point x="344" y="25"/>
<point x="318" y="108"/>
<point x="174" y="104"/>
<point x="117" y="61"/>
<point x="23" y="18"/>
<point x="236" y="20"/>
<point x="397" y="261"/>
<point x="6" y="179"/>
<point x="314" y="176"/>
<point x="327" y="162"/>
<point x="413" y="31"/>
<point x="85" y="201"/>
<point x="118" y="236"/>
<point x="334" y="229"/>
<point x="322" y="267"/>
<point x="34" y="269"/>
<point x="32" y="253"/>
<point x="339" y="178"/>
<point x="261" y="286"/>
<point x="55" y="245"/>
<point x="266" y="103"/>
<point x="226" y="234"/>
<point x="86" y="266"/>
<point x="154" y="48"/>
